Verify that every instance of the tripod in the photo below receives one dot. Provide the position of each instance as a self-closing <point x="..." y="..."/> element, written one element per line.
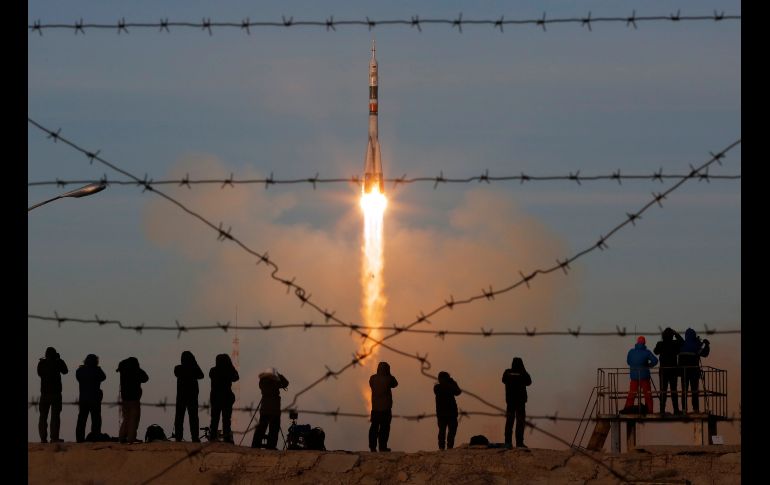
<point x="250" y="421"/>
<point x="280" y="428"/>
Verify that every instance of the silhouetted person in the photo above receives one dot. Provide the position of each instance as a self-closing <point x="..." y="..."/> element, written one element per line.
<point x="131" y="379"/>
<point x="516" y="380"/>
<point x="270" y="383"/>
<point x="222" y="376"/>
<point x="50" y="368"/>
<point x="187" y="375"/>
<point x="689" y="362"/>
<point x="668" y="349"/>
<point x="90" y="377"/>
<point x="382" y="402"/>
<point x="639" y="361"/>
<point x="446" y="409"/>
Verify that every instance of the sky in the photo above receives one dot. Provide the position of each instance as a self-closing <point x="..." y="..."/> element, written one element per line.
<point x="293" y="103"/>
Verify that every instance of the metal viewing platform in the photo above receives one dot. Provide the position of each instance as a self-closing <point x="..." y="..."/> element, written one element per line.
<point x="609" y="398"/>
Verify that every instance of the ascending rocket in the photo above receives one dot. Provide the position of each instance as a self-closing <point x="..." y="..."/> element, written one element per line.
<point x="373" y="165"/>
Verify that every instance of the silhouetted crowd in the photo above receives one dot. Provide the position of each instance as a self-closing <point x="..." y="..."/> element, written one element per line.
<point x="679" y="358"/>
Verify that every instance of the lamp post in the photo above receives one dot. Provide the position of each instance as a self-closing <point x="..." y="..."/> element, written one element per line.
<point x="81" y="192"/>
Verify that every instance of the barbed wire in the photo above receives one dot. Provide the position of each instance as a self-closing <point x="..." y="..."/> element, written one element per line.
<point x="330" y="24"/>
<point x="491" y="332"/>
<point x="462" y="414"/>
<point x="355" y="180"/>
<point x="422" y="317"/>
<point x="166" y="405"/>
<point x="226" y="235"/>
<point x="490" y="293"/>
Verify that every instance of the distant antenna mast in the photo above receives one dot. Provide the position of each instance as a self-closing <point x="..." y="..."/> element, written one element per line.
<point x="235" y="358"/>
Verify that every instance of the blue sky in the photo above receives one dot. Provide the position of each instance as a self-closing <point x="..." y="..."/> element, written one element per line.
<point x="292" y="102"/>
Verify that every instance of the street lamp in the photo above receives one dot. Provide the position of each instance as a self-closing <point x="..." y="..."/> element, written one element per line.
<point x="81" y="192"/>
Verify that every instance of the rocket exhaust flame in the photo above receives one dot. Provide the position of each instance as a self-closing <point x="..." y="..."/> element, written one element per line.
<point x="373" y="204"/>
<point x="373" y="306"/>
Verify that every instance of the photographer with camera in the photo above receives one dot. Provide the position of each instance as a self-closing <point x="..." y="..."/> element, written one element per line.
<point x="382" y="402"/>
<point x="222" y="398"/>
<point x="270" y="383"/>
<point x="50" y="369"/>
<point x="689" y="362"/>
<point x="639" y="360"/>
<point x="90" y="377"/>
<point x="446" y="409"/>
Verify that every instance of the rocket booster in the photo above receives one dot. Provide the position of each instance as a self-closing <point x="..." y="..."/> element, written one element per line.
<point x="373" y="165"/>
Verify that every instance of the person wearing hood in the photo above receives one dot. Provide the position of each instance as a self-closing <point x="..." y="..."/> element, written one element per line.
<point x="187" y="375"/>
<point x="516" y="380"/>
<point x="90" y="377"/>
<point x="639" y="361"/>
<point x="668" y="350"/>
<point x="689" y="362"/>
<point x="131" y="378"/>
<point x="270" y="383"/>
<point x="446" y="409"/>
<point x="50" y="368"/>
<point x="381" y="384"/>
<point x="222" y="376"/>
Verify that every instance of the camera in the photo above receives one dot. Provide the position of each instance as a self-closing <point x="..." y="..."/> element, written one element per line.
<point x="304" y="436"/>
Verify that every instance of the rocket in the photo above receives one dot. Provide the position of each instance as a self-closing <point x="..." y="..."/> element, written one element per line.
<point x="373" y="164"/>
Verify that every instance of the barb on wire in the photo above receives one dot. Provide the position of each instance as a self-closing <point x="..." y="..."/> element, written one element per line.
<point x="523" y="280"/>
<point x="424" y="363"/>
<point x="167" y="405"/>
<point x="491" y="332"/>
<point x="329" y="24"/>
<point x="441" y="179"/>
<point x="223" y="235"/>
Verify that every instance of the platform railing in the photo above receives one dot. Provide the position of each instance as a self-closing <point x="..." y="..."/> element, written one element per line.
<point x="612" y="386"/>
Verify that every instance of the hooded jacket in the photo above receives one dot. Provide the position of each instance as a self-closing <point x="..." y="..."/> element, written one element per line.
<point x="222" y="375"/>
<point x="445" y="392"/>
<point x="271" y="384"/>
<point x="187" y="374"/>
<point x="131" y="379"/>
<point x="693" y="349"/>
<point x="516" y="380"/>
<point x="90" y="377"/>
<point x="639" y="360"/>
<point x="50" y="370"/>
<point x="669" y="348"/>
<point x="381" y="383"/>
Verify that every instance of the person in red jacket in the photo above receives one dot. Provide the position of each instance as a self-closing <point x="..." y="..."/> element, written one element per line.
<point x="639" y="360"/>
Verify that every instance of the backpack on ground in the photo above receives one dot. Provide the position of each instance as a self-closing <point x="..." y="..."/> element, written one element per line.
<point x="315" y="439"/>
<point x="479" y="440"/>
<point x="98" y="437"/>
<point x="154" y="433"/>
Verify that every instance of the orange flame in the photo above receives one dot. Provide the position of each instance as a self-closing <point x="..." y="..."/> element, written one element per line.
<point x="373" y="205"/>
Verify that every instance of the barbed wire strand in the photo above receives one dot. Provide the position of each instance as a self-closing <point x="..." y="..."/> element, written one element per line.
<point x="355" y="180"/>
<point x="491" y="332"/>
<point x="358" y="356"/>
<point x="486" y="294"/>
<point x="223" y="235"/>
<point x="166" y="405"/>
<point x="330" y="24"/>
<point x="489" y="294"/>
